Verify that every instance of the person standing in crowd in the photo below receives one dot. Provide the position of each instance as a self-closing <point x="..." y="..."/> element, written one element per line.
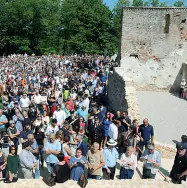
<point x="179" y="169"/>
<point x="3" y="162"/>
<point x="34" y="150"/>
<point x="24" y="103"/>
<point x="61" y="170"/>
<point x="52" y="149"/>
<point x="182" y="86"/>
<point x="66" y="149"/>
<point x="27" y="161"/>
<point x="113" y="130"/>
<point x="125" y="120"/>
<point x="24" y="134"/>
<point x="83" y="112"/>
<point x="96" y="161"/>
<point x="110" y="155"/>
<point x="53" y="128"/>
<point x="79" y="166"/>
<point x="128" y="163"/>
<point x="106" y="123"/>
<point x="82" y="145"/>
<point x="60" y="116"/>
<point x="3" y="122"/>
<point x="13" y="133"/>
<point x="96" y="131"/>
<point x="18" y="118"/>
<point x="152" y="162"/>
<point x="12" y="165"/>
<point x="41" y="141"/>
<point x="146" y="134"/>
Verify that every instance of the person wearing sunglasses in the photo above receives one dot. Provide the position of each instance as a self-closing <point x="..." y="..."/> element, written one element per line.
<point x="12" y="165"/>
<point x="152" y="162"/>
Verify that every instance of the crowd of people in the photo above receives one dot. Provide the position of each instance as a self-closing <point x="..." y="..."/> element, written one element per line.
<point x="55" y="109"/>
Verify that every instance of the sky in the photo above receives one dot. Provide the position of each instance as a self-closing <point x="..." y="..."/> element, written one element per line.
<point x="111" y="3"/>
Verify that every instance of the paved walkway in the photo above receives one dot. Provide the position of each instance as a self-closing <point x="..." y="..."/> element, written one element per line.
<point x="167" y="113"/>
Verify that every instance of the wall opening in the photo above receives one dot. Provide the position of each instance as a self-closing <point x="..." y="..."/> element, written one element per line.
<point x="167" y="23"/>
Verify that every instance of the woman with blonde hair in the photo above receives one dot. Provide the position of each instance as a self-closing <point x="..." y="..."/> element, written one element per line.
<point x="128" y="163"/>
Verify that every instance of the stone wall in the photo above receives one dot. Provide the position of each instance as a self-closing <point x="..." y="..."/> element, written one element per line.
<point x="144" y="31"/>
<point x="159" y="57"/>
<point x="116" y="92"/>
<point x="122" y="95"/>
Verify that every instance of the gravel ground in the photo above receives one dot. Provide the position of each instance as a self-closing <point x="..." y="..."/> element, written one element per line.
<point x="167" y="113"/>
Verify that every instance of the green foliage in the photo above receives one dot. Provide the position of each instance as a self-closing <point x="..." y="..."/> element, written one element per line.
<point x="179" y="3"/>
<point x="63" y="26"/>
<point x="154" y="3"/>
<point x="164" y="4"/>
<point x="28" y="26"/>
<point x="138" y="3"/>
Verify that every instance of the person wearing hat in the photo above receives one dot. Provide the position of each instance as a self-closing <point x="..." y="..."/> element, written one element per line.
<point x="179" y="169"/>
<point x="152" y="162"/>
<point x="96" y="131"/>
<point x="184" y="141"/>
<point x="110" y="155"/>
<point x="27" y="161"/>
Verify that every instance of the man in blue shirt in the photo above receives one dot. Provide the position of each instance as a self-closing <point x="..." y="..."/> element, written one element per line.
<point x="152" y="162"/>
<point x="110" y="155"/>
<point x="147" y="134"/>
<point x="52" y="149"/>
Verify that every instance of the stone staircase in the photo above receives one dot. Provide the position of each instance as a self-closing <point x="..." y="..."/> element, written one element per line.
<point x="116" y="183"/>
<point x="139" y="183"/>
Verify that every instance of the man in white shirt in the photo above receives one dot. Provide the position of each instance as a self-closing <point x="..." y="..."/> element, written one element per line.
<point x="53" y="128"/>
<point x="37" y="98"/>
<point x="86" y="101"/>
<point x="60" y="116"/>
<point x="113" y="131"/>
<point x="128" y="163"/>
<point x="24" y="103"/>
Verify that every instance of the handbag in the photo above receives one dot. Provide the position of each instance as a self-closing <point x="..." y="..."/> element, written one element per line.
<point x="50" y="180"/>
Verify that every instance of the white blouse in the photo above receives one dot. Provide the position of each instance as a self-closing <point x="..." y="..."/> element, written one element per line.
<point x="126" y="159"/>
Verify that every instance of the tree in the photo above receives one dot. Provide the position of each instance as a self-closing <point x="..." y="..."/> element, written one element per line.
<point x="154" y="3"/>
<point x="138" y="3"/>
<point x="164" y="4"/>
<point x="28" y="26"/>
<point x="179" y="3"/>
<point x="86" y="27"/>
